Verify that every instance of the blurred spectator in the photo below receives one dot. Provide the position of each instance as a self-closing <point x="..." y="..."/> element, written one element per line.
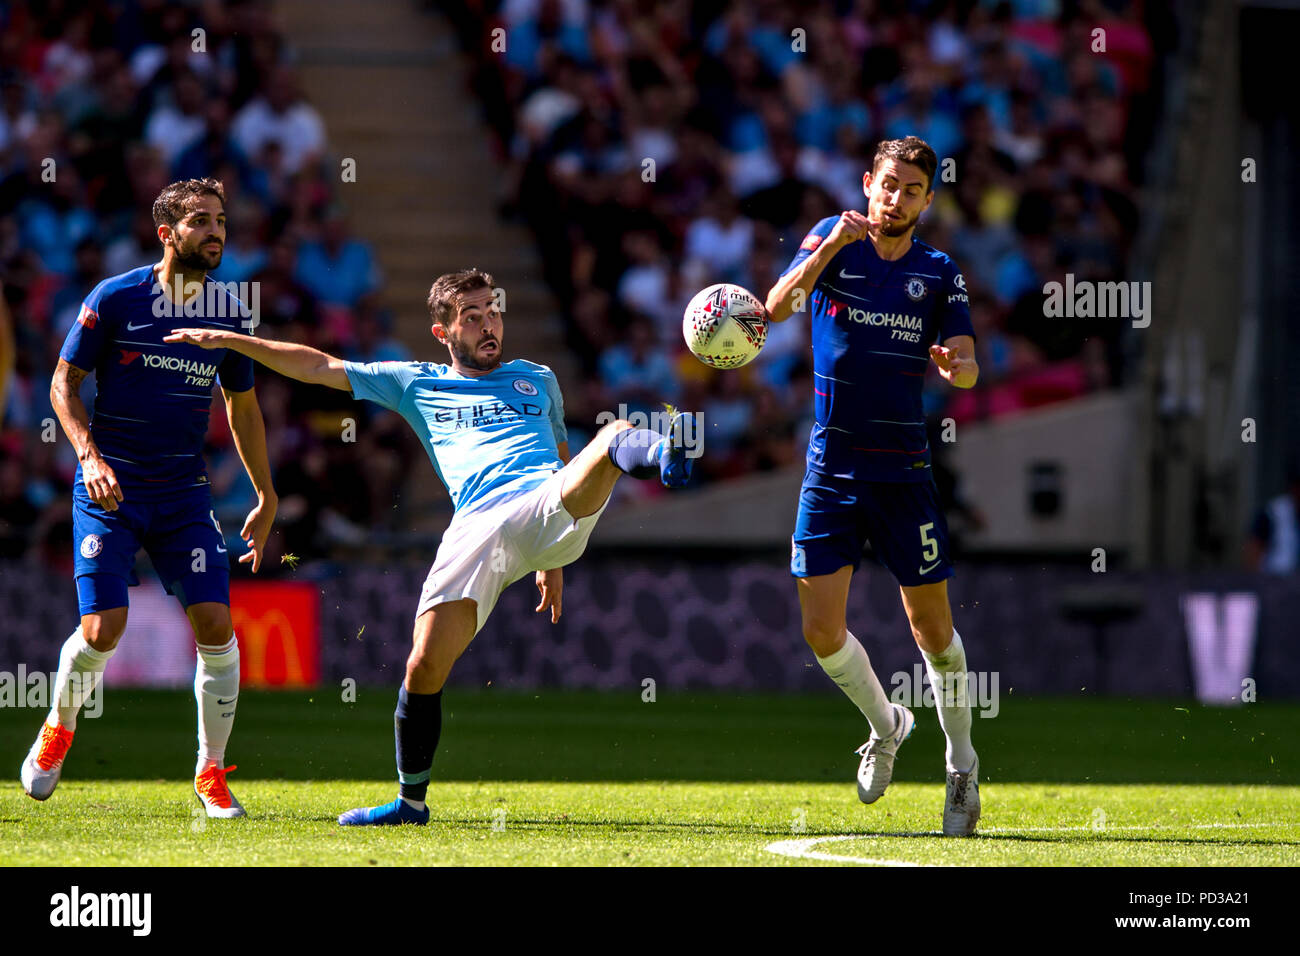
<point x="336" y="269"/>
<point x="637" y="372"/>
<point x="280" y="116"/>
<point x="174" y="127"/>
<point x="373" y="341"/>
<point x="1274" y="542"/>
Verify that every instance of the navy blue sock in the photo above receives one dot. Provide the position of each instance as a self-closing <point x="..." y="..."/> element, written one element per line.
<point x="417" y="724"/>
<point x="635" y="452"/>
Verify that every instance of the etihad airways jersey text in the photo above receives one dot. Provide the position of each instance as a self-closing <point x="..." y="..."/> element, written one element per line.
<point x="485" y="436"/>
<point x="873" y="323"/>
<point x="152" y="398"/>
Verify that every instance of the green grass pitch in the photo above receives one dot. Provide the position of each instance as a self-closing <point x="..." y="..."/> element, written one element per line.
<point x="558" y="778"/>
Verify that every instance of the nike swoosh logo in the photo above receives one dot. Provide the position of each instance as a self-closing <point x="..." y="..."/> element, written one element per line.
<point x="845" y="275"/>
<point x="931" y="567"/>
<point x="223" y="703"/>
<point x="132" y="328"/>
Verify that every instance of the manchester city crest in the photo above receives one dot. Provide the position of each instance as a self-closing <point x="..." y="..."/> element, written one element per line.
<point x="525" y="387"/>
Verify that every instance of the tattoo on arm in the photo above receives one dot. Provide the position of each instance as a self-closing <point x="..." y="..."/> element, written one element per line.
<point x="72" y="377"/>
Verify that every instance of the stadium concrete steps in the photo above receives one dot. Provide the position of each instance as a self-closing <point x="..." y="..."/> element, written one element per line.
<point x="391" y="87"/>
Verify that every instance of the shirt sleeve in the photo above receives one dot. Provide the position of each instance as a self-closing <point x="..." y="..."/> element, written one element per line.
<point x="235" y="373"/>
<point x="812" y="242"/>
<point x="954" y="308"/>
<point x="557" y="408"/>
<point x="91" y="333"/>
<point x="383" y="383"/>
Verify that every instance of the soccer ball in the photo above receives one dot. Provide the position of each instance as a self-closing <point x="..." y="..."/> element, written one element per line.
<point x="725" y="326"/>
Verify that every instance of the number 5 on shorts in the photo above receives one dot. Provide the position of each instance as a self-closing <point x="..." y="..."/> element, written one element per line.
<point x="929" y="546"/>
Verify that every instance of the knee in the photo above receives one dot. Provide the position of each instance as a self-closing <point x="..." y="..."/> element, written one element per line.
<point x="102" y="631"/>
<point x="824" y="637"/>
<point x="932" y="631"/>
<point x="611" y="429"/>
<point x="426" y="672"/>
<point x="212" y="630"/>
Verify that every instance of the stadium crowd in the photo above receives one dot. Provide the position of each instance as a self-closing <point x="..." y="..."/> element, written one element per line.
<point x="101" y="105"/>
<point x="653" y="146"/>
<point x="657" y="147"/>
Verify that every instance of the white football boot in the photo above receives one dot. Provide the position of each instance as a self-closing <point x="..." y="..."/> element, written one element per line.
<point x="877" y="766"/>
<point x="961" y="808"/>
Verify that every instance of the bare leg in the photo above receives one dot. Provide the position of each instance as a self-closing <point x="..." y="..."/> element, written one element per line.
<point x="590" y="476"/>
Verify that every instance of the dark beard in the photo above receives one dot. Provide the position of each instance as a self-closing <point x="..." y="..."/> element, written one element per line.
<point x="195" y="260"/>
<point x="467" y="357"/>
<point x="891" y="229"/>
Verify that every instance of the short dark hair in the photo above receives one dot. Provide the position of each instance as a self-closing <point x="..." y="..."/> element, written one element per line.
<point x="174" y="202"/>
<point x="446" y="289"/>
<point x="909" y="149"/>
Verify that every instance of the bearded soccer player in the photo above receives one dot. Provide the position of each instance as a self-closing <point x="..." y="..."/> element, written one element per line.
<point x="883" y="305"/>
<point x="142" y="482"/>
<point x="495" y="433"/>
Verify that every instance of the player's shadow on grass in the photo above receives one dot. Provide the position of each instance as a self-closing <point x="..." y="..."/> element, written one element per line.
<point x="1075" y="837"/>
<point x="660" y="826"/>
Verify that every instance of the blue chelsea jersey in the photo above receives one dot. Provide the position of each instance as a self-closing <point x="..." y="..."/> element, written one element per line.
<point x="873" y="322"/>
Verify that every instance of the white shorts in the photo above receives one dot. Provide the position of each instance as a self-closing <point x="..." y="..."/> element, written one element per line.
<point x="489" y="549"/>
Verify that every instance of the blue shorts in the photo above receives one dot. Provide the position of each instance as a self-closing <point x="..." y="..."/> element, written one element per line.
<point x="902" y="520"/>
<point x="180" y="534"/>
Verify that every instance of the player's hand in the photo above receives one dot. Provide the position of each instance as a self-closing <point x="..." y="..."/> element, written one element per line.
<point x="852" y="226"/>
<point x="256" y="530"/>
<point x="951" y="365"/>
<point x="203" y="338"/>
<point x="101" y="484"/>
<point x="551" y="585"/>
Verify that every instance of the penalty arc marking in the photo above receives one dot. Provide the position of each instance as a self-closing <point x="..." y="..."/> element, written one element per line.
<point x="806" y="849"/>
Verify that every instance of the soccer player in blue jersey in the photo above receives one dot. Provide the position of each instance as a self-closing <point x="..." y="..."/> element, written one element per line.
<point x="883" y="306"/>
<point x="141" y="481"/>
<point x="495" y="433"/>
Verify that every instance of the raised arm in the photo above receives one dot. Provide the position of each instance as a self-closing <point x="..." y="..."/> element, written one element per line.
<point x="294" y="361"/>
<point x="781" y="299"/>
<point x="65" y="396"/>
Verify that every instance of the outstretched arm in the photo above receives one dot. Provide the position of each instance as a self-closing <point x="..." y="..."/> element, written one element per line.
<point x="294" y="361"/>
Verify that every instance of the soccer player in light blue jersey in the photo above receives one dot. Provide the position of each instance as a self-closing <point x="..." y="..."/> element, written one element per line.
<point x="141" y="481"/>
<point x="495" y="433"/>
<point x="882" y="306"/>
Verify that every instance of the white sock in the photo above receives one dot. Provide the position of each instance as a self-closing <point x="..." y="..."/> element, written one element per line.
<point x="416" y="804"/>
<point x="948" y="679"/>
<point x="850" y="667"/>
<point x="81" y="668"/>
<point x="216" y="679"/>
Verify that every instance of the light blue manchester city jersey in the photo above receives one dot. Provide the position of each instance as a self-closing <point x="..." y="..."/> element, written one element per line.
<point x="485" y="435"/>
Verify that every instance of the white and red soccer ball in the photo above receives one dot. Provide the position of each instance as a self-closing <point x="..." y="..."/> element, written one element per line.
<point x="725" y="326"/>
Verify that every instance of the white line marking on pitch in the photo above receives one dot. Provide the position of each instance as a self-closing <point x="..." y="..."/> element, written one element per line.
<point x="804" y="849"/>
